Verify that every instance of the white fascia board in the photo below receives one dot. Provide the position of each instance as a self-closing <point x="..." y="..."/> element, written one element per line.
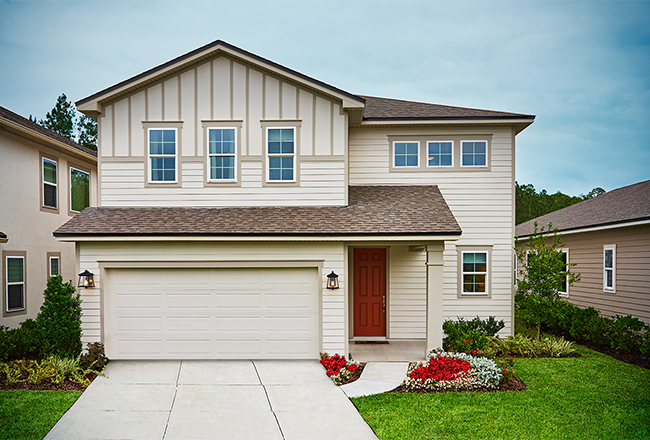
<point x="410" y="122"/>
<point x="158" y="238"/>
<point x="594" y="229"/>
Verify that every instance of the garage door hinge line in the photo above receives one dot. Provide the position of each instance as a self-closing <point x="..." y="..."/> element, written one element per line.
<point x="268" y="400"/>
<point x="173" y="400"/>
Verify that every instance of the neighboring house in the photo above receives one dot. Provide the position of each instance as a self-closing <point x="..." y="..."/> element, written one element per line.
<point x="45" y="179"/>
<point x="231" y="187"/>
<point x="608" y="237"/>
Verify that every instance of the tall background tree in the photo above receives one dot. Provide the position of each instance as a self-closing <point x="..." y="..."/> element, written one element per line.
<point x="65" y="120"/>
<point x="530" y="204"/>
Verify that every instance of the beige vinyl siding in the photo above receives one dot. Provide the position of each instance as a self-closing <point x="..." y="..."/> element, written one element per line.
<point x="330" y="255"/>
<point x="632" y="296"/>
<point x="223" y="89"/>
<point x="407" y="294"/>
<point x="482" y="200"/>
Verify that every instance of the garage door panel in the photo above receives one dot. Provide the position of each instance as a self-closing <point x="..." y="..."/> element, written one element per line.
<point x="266" y="313"/>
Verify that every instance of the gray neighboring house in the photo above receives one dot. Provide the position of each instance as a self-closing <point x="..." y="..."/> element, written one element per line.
<point x="45" y="179"/>
<point x="608" y="237"/>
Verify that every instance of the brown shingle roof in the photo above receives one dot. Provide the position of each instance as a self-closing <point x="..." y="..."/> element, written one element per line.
<point x="385" y="108"/>
<point x="622" y="205"/>
<point x="17" y="119"/>
<point x="373" y="210"/>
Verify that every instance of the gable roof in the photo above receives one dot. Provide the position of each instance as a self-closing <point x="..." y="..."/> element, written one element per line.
<point x="14" y="120"/>
<point x="391" y="109"/>
<point x="623" y="205"/>
<point x="373" y="210"/>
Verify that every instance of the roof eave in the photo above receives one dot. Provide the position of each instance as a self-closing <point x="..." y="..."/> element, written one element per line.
<point x="519" y="123"/>
<point x="596" y="227"/>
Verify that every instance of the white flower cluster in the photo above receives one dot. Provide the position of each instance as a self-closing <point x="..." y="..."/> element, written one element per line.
<point x="344" y="374"/>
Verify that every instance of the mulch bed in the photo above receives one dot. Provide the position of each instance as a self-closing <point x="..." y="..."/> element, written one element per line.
<point x="67" y="385"/>
<point x="356" y="375"/>
<point x="513" y="384"/>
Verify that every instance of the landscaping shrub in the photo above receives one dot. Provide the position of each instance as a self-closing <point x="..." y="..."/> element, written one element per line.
<point x="20" y="343"/>
<point x="53" y="370"/>
<point x="465" y="336"/>
<point x="59" y="321"/>
<point x="95" y="357"/>
<point x="523" y="346"/>
<point x="338" y="369"/>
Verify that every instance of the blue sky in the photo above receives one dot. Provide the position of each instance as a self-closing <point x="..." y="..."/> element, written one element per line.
<point x="582" y="67"/>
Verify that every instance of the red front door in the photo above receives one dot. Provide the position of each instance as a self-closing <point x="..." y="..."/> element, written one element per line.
<point x="370" y="292"/>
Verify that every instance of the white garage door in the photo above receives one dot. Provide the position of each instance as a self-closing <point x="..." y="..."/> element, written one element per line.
<point x="211" y="314"/>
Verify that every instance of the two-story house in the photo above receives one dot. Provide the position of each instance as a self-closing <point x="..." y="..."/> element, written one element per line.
<point x="45" y="179"/>
<point x="247" y="210"/>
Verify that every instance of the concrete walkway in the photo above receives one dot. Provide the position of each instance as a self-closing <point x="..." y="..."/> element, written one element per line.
<point x="235" y="400"/>
<point x="376" y="378"/>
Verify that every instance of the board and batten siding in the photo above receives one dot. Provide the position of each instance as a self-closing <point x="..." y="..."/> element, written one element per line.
<point x="223" y="89"/>
<point x="481" y="200"/>
<point x="331" y="255"/>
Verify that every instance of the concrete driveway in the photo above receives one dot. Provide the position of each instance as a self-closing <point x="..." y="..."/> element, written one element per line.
<point x="290" y="400"/>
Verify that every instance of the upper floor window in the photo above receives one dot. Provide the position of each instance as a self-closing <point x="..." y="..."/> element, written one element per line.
<point x="474" y="153"/>
<point x="222" y="154"/>
<point x="162" y="155"/>
<point x="79" y="190"/>
<point x="406" y="154"/>
<point x="609" y="268"/>
<point x="281" y="154"/>
<point x="15" y="284"/>
<point x="475" y="272"/>
<point x="440" y="154"/>
<point x="49" y="184"/>
<point x="54" y="266"/>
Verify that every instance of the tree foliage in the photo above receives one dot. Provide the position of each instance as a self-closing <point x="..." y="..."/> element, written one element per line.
<point x="531" y="204"/>
<point x="543" y="272"/>
<point x="87" y="129"/>
<point x="65" y="120"/>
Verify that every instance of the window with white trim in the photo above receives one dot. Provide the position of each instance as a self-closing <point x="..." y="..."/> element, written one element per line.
<point x="474" y="153"/>
<point x="609" y="268"/>
<point x="281" y="154"/>
<point x="222" y="154"/>
<point x="49" y="183"/>
<point x="54" y="268"/>
<point x="79" y="190"/>
<point x="563" y="288"/>
<point x="440" y="154"/>
<point x="406" y="154"/>
<point x="475" y="272"/>
<point x="163" y="155"/>
<point x="15" y="283"/>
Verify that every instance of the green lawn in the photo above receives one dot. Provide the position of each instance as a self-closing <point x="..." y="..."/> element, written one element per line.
<point x="31" y="414"/>
<point x="592" y="397"/>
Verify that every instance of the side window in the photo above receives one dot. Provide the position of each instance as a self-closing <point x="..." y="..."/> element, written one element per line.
<point x="15" y="284"/>
<point x="475" y="272"/>
<point x="50" y="184"/>
<point x="79" y="190"/>
<point x="563" y="288"/>
<point x="406" y="154"/>
<point x="222" y="155"/>
<point x="474" y="153"/>
<point x="609" y="268"/>
<point x="281" y="154"/>
<point x="162" y="155"/>
<point x="54" y="266"/>
<point x="440" y="154"/>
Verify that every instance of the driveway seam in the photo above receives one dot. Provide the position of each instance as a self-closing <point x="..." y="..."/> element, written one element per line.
<point x="173" y="400"/>
<point x="275" y="416"/>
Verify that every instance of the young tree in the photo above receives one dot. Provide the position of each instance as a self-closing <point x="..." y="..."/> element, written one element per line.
<point x="87" y="128"/>
<point x="61" y="119"/>
<point x="543" y="271"/>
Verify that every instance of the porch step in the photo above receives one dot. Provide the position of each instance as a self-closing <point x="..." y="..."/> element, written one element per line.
<point x="377" y="378"/>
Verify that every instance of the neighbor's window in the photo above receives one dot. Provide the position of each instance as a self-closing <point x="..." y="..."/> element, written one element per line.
<point x="406" y="154"/>
<point x="222" y="154"/>
<point x="162" y="155"/>
<point x="609" y="268"/>
<point x="474" y="272"/>
<point x="474" y="153"/>
<point x="563" y="288"/>
<point x="54" y="266"/>
<point x="79" y="190"/>
<point x="281" y="154"/>
<point x="439" y="154"/>
<point x="15" y="284"/>
<point x="49" y="184"/>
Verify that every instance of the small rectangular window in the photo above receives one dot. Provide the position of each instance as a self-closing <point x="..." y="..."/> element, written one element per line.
<point x="609" y="268"/>
<point x="474" y="272"/>
<point x="162" y="155"/>
<point x="281" y="154"/>
<point x="54" y="266"/>
<point x="15" y="284"/>
<point x="222" y="154"/>
<point x="406" y="154"/>
<point x="79" y="190"/>
<point x="563" y="288"/>
<point x="440" y="154"/>
<point x="474" y="153"/>
<point x="49" y="184"/>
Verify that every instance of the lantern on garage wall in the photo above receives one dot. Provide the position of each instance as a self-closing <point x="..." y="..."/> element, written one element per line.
<point x="86" y="279"/>
<point x="332" y="281"/>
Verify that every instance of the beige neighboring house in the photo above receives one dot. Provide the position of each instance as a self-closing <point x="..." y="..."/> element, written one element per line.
<point x="45" y="179"/>
<point x="608" y="237"/>
<point x="247" y="210"/>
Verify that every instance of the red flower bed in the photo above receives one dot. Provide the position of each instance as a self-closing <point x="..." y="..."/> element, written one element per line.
<point x="335" y="363"/>
<point x="441" y="368"/>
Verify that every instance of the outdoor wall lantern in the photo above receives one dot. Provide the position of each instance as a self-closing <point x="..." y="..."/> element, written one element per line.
<point x="332" y="281"/>
<point x="86" y="279"/>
